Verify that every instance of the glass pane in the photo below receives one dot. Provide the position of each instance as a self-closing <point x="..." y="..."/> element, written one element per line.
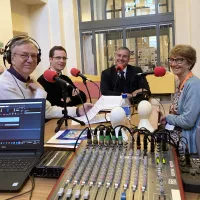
<point x="85" y="10"/>
<point x="164" y="6"/>
<point x="99" y="9"/>
<point x="113" y="9"/>
<point x="166" y="43"/>
<point x="143" y="46"/>
<point x="88" y="54"/>
<point x="139" y="7"/>
<point x="107" y="42"/>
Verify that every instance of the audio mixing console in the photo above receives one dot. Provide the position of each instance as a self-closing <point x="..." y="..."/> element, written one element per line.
<point x="121" y="171"/>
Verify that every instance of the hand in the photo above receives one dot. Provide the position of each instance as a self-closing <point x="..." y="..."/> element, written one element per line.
<point x="34" y="86"/>
<point x="137" y="91"/>
<point x="67" y="100"/>
<point x="87" y="107"/>
<point x="75" y="92"/>
<point x="163" y="120"/>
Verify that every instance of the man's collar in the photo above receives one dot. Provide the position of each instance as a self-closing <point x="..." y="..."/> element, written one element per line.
<point x="17" y="75"/>
<point x="59" y="73"/>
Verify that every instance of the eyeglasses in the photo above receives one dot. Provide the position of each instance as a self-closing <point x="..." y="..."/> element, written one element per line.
<point x="26" y="56"/>
<point x="59" y="58"/>
<point x="176" y="60"/>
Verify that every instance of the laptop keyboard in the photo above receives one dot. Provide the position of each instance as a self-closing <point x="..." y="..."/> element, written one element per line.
<point x="15" y="164"/>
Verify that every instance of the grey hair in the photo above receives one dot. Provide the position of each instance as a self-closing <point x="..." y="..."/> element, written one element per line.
<point x="124" y="48"/>
<point x="22" y="41"/>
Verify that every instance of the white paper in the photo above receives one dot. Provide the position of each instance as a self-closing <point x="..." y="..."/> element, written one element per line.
<point x="96" y="119"/>
<point x="104" y="103"/>
<point x="63" y="146"/>
<point x="108" y="102"/>
<point x="169" y="127"/>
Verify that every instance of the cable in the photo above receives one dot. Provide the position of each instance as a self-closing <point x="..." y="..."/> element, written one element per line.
<point x="97" y="87"/>
<point x="84" y="109"/>
<point x="31" y="190"/>
<point x="161" y="106"/>
<point x="79" y="137"/>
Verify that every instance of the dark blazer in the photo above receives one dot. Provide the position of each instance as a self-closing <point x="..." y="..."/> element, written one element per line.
<point x="110" y="81"/>
<point x="54" y="92"/>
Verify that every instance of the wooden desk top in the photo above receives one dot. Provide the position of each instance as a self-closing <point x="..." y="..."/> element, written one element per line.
<point x="43" y="186"/>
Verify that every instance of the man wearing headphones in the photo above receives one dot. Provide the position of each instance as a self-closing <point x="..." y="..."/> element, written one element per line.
<point x="58" y="59"/>
<point x="23" y="54"/>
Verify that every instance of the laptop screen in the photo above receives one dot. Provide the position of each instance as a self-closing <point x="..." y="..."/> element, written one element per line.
<point x="22" y="124"/>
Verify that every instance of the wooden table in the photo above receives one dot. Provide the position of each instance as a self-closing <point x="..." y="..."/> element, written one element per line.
<point x="43" y="186"/>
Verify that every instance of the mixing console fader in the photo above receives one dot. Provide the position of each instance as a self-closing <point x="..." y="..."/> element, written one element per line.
<point x="100" y="172"/>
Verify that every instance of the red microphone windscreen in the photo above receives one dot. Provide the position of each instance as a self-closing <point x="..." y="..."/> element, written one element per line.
<point x="159" y="71"/>
<point x="50" y="75"/>
<point x="75" y="72"/>
<point x="119" y="68"/>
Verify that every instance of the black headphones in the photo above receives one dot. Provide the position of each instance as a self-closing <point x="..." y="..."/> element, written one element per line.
<point x="7" y="50"/>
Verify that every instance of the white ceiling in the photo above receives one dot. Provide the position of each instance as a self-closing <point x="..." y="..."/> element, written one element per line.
<point x="33" y="2"/>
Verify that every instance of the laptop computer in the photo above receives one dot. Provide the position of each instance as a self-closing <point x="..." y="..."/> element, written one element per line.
<point x="21" y="140"/>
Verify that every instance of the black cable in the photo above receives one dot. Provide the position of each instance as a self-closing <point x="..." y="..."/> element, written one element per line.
<point x="161" y="105"/>
<point x="84" y="82"/>
<point x="78" y="93"/>
<point x="79" y="137"/>
<point x="31" y="190"/>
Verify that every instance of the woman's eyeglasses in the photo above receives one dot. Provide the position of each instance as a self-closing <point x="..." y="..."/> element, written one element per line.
<point x="176" y="60"/>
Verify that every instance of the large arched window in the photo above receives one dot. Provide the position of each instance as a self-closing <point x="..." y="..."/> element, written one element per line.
<point x="146" y="27"/>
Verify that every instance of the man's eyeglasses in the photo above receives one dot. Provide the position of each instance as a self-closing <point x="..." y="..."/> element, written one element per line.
<point x="26" y="56"/>
<point x="60" y="58"/>
<point x="176" y="60"/>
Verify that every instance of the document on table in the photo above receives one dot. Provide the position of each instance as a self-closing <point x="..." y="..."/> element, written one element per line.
<point x="66" y="139"/>
<point x="106" y="103"/>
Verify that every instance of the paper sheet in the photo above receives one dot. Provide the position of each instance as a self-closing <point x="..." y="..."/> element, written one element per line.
<point x="104" y="103"/>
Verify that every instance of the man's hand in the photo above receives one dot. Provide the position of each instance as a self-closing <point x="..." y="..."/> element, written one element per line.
<point x="34" y="86"/>
<point x="75" y="92"/>
<point x="67" y="99"/>
<point x="137" y="91"/>
<point x="87" y="107"/>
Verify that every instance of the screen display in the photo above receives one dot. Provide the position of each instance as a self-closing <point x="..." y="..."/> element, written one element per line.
<point x="21" y="122"/>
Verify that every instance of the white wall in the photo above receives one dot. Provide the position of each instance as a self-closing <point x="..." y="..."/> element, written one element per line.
<point x="20" y="16"/>
<point x="6" y="23"/>
<point x="187" y="26"/>
<point x="40" y="31"/>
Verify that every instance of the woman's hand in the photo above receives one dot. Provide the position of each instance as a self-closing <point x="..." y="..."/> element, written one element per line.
<point x="163" y="120"/>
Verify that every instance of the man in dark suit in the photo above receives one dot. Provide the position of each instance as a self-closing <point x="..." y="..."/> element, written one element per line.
<point x="114" y="83"/>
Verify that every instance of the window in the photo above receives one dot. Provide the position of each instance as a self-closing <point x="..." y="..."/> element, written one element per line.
<point x="146" y="27"/>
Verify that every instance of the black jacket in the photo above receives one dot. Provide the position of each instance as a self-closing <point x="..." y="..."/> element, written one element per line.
<point x="110" y="81"/>
<point x="54" y="92"/>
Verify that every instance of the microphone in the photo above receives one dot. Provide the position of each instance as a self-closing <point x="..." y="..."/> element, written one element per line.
<point x="158" y="71"/>
<point x="76" y="72"/>
<point x="52" y="76"/>
<point x="119" y="69"/>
